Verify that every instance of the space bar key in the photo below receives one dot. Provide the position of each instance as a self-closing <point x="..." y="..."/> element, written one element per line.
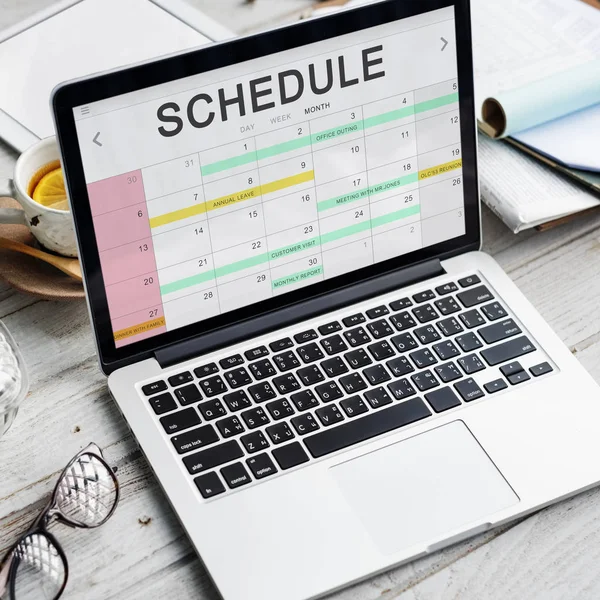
<point x="367" y="427"/>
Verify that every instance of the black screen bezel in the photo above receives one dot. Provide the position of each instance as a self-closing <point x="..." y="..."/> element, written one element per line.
<point x="70" y="95"/>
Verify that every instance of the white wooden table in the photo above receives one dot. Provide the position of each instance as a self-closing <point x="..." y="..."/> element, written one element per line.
<point x="143" y="553"/>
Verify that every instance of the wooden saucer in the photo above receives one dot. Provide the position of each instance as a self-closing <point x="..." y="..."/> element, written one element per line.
<point x="31" y="275"/>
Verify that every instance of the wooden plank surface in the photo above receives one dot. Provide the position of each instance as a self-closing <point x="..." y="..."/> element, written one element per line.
<point x="143" y="552"/>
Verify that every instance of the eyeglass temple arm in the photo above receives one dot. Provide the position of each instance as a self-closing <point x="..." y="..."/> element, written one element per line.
<point x="4" y="571"/>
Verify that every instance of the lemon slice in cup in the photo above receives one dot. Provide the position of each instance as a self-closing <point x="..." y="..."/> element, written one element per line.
<point x="50" y="191"/>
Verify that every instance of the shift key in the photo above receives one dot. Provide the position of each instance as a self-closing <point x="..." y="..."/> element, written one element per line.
<point x="508" y="350"/>
<point x="213" y="457"/>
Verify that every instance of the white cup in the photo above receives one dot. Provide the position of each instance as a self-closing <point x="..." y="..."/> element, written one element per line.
<point x="52" y="228"/>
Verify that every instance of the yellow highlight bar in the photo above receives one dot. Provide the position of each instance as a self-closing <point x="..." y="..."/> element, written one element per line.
<point x="254" y="192"/>
<point x="439" y="169"/>
<point x="140" y="328"/>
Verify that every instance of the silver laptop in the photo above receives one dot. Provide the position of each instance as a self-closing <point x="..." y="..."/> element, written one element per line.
<point x="280" y="239"/>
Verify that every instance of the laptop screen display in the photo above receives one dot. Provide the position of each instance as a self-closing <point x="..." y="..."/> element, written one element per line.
<point x="217" y="191"/>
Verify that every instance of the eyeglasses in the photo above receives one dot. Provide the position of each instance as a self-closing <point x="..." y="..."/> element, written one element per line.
<point x="85" y="496"/>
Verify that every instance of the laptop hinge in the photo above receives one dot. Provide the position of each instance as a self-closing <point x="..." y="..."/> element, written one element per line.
<point x="277" y="319"/>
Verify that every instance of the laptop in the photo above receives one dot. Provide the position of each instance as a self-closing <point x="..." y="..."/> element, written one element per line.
<point x="280" y="240"/>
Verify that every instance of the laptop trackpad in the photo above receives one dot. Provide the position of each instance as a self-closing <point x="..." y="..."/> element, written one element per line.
<point x="417" y="490"/>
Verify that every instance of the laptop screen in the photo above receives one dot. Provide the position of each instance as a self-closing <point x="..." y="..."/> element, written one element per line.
<point x="220" y="190"/>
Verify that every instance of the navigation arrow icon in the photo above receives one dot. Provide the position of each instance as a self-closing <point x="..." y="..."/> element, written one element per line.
<point x="95" y="140"/>
<point x="445" y="43"/>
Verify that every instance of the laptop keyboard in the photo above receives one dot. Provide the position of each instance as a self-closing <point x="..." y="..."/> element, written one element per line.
<point x="277" y="406"/>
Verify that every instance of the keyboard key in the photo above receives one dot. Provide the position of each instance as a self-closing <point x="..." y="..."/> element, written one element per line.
<point x="354" y="406"/>
<point x="262" y="392"/>
<point x="163" y="403"/>
<point x="329" y="415"/>
<point x="238" y="377"/>
<point x="494" y="311"/>
<point x="213" y="386"/>
<point x="279" y="409"/>
<point x="358" y="358"/>
<point x="286" y="384"/>
<point x="427" y="335"/>
<point x="335" y="366"/>
<point x="471" y="364"/>
<point x="442" y="399"/>
<point x="261" y="369"/>
<point x="450" y="326"/>
<point x="380" y="329"/>
<point x="154" y="388"/>
<point x="329" y="328"/>
<point x="404" y="342"/>
<point x="425" y="380"/>
<point x="354" y="320"/>
<point x="469" y="281"/>
<point x="447" y="306"/>
<point x="425" y="313"/>
<point x="508" y="350"/>
<point x="180" y="378"/>
<point x="401" y="389"/>
<point x="261" y="466"/>
<point x="254" y="442"/>
<point x="255" y="417"/>
<point x="209" y="485"/>
<point x="403" y="321"/>
<point x="212" y="409"/>
<point x="423" y="296"/>
<point x="231" y="361"/>
<point x="281" y="344"/>
<point x="329" y="391"/>
<point x="369" y="426"/>
<point x="235" y="475"/>
<point x="306" y="336"/>
<point x="206" y="370"/>
<point x="279" y="433"/>
<point x="188" y="394"/>
<point x="499" y="331"/>
<point x="379" y="311"/>
<point x="378" y="397"/>
<point x="377" y="374"/>
<point x="213" y="457"/>
<point x="474" y="296"/>
<point x="195" y="439"/>
<point x="357" y="337"/>
<point x="311" y="375"/>
<point x="304" y="424"/>
<point x="495" y="386"/>
<point x="400" y="304"/>
<point x="448" y="372"/>
<point x="381" y="350"/>
<point x="448" y="288"/>
<point x="468" y="342"/>
<point x="399" y="366"/>
<point x="541" y="369"/>
<point x="237" y="400"/>
<point x="304" y="400"/>
<point x="509" y="369"/>
<point x="423" y="358"/>
<point x="334" y="345"/>
<point x="310" y="353"/>
<point x="290" y="456"/>
<point x="472" y="318"/>
<point x="230" y="426"/>
<point x="286" y="361"/>
<point x="446" y="350"/>
<point x="468" y="389"/>
<point x="256" y="353"/>
<point x="516" y="378"/>
<point x="353" y="383"/>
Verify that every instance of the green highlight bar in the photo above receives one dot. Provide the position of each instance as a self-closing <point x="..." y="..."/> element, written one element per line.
<point x="328" y="134"/>
<point x="297" y="277"/>
<point x="265" y="257"/>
